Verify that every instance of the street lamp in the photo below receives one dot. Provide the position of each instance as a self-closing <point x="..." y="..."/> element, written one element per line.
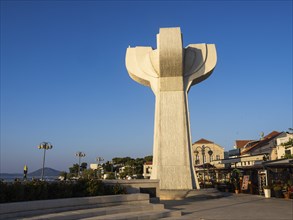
<point x="79" y="155"/>
<point x="99" y="171"/>
<point x="203" y="152"/>
<point x="45" y="146"/>
<point x="99" y="159"/>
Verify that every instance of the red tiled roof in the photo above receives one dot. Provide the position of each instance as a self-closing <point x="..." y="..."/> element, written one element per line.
<point x="272" y="134"/>
<point x="263" y="141"/>
<point x="242" y="143"/>
<point x="203" y="141"/>
<point x="148" y="163"/>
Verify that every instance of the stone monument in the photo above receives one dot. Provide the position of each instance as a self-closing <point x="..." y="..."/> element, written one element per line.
<point x="170" y="71"/>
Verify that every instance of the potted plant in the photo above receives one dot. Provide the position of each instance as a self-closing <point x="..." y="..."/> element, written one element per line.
<point x="290" y="191"/>
<point x="217" y="185"/>
<point x="267" y="191"/>
<point x="235" y="179"/>
<point x="286" y="191"/>
<point x="227" y="186"/>
<point x="278" y="191"/>
<point x="236" y="186"/>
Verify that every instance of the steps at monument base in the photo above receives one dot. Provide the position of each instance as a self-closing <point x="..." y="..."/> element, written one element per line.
<point x="179" y="218"/>
<point x="40" y="207"/>
<point x="130" y="206"/>
<point x="208" y="193"/>
<point x="99" y="212"/>
<point x="140" y="215"/>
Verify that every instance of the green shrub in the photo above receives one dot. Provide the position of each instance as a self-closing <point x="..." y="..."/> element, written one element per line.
<point x="277" y="188"/>
<point x="115" y="189"/>
<point x="110" y="175"/>
<point x="79" y="188"/>
<point x="95" y="188"/>
<point x="39" y="190"/>
<point x="59" y="190"/>
<point x="15" y="192"/>
<point x="3" y="191"/>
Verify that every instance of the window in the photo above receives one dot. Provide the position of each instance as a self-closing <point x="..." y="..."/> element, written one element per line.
<point x="197" y="160"/>
<point x="212" y="158"/>
<point x="287" y="154"/>
<point x="217" y="157"/>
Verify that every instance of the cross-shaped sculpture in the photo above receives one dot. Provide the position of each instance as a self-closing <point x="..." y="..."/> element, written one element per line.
<point x="170" y="71"/>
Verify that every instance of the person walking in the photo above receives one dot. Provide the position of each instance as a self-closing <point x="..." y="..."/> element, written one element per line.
<point x="25" y="169"/>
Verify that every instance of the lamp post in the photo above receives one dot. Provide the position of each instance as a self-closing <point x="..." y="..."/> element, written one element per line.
<point x="203" y="152"/>
<point x="79" y="155"/>
<point x="45" y="146"/>
<point x="99" y="159"/>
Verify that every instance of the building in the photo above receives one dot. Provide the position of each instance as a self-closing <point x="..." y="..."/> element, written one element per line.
<point x="147" y="170"/>
<point x="214" y="159"/>
<point x="285" y="146"/>
<point x="207" y="157"/>
<point x="251" y="153"/>
<point x="266" y="145"/>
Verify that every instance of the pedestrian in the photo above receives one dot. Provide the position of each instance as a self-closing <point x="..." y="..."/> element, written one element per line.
<point x="25" y="169"/>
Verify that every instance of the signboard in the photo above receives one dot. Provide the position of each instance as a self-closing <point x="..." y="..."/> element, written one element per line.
<point x="245" y="182"/>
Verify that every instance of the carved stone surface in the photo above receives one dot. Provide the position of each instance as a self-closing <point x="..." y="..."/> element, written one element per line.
<point x="170" y="71"/>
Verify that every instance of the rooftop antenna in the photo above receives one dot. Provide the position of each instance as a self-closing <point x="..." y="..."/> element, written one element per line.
<point x="262" y="135"/>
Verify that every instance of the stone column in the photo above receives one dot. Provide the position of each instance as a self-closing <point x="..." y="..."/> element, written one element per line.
<point x="170" y="71"/>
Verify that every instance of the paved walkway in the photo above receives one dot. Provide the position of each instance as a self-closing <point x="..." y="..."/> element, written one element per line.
<point x="236" y="207"/>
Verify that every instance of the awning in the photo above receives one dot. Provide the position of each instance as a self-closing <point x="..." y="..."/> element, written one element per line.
<point x="279" y="163"/>
<point x="205" y="166"/>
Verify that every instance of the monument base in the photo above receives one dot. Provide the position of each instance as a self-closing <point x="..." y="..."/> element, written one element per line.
<point x="138" y="186"/>
<point x="168" y="194"/>
<point x="195" y="194"/>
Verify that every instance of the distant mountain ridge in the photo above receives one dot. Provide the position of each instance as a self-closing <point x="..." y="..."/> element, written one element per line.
<point x="47" y="172"/>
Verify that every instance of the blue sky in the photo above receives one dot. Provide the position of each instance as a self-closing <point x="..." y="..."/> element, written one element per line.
<point x="63" y="76"/>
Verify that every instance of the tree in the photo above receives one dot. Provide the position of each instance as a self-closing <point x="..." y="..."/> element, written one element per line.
<point x="235" y="178"/>
<point x="74" y="169"/>
<point x="148" y="158"/>
<point x="110" y="175"/>
<point x="139" y="165"/>
<point x="121" y="160"/>
<point x="88" y="174"/>
<point x="130" y="162"/>
<point x="118" y="161"/>
<point x="122" y="175"/>
<point x="132" y="166"/>
<point x="108" y="167"/>
<point x="63" y="174"/>
<point x="83" y="166"/>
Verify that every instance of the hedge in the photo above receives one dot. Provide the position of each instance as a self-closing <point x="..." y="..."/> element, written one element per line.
<point x="40" y="190"/>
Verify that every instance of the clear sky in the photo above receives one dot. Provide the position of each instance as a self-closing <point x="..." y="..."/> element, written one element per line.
<point x="63" y="76"/>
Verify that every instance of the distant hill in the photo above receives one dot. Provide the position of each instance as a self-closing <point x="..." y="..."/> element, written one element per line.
<point x="47" y="172"/>
<point x="10" y="174"/>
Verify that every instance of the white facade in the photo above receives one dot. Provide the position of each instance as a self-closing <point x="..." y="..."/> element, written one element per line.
<point x="147" y="170"/>
<point x="94" y="166"/>
<point x="283" y="150"/>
